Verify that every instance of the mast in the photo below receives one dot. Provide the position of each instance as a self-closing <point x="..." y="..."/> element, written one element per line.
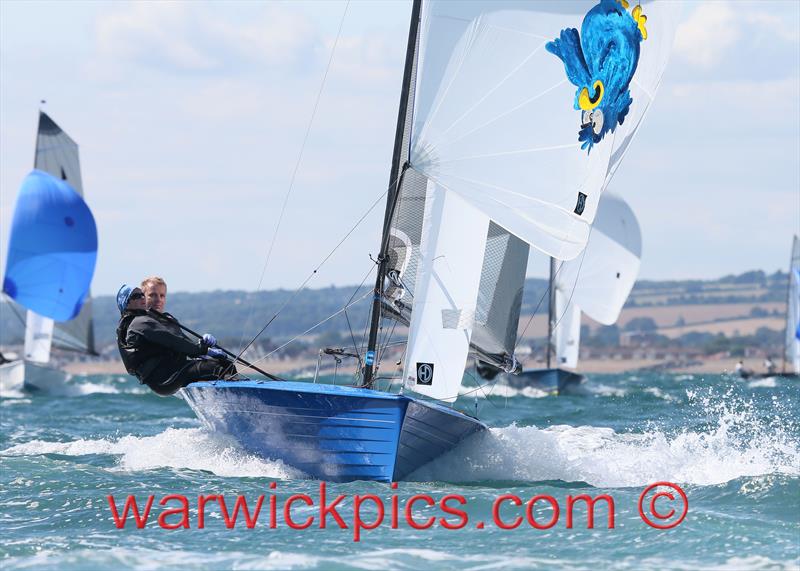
<point x="395" y="177"/>
<point x="551" y="309"/>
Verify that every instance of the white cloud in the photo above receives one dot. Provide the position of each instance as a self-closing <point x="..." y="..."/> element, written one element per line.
<point x="158" y="31"/>
<point x="704" y="38"/>
<point x="710" y="32"/>
<point x="190" y="37"/>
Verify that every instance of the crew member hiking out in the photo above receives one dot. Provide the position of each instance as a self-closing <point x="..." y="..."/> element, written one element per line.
<point x="155" y="350"/>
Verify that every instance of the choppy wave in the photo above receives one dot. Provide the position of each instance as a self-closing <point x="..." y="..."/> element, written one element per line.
<point x="737" y="443"/>
<point x="377" y="559"/>
<point x="768" y="383"/>
<point x="177" y="448"/>
<point x="503" y="391"/>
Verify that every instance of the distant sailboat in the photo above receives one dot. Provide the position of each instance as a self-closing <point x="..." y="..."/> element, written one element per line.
<point x="597" y="283"/>
<point x="791" y="339"/>
<point x="51" y="258"/>
<point x="791" y="350"/>
<point x="490" y="157"/>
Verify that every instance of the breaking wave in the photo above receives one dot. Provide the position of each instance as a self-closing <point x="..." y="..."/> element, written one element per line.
<point x="735" y="443"/>
<point x="177" y="448"/>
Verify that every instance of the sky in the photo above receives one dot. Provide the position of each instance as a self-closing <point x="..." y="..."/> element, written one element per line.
<point x="191" y="117"/>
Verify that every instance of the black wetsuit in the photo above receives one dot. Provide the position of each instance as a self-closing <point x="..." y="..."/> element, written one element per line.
<point x="155" y="350"/>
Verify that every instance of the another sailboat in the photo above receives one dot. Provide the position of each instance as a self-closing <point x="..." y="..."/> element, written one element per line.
<point x="791" y="340"/>
<point x="597" y="283"/>
<point x="499" y="144"/>
<point x="791" y="351"/>
<point x="51" y="258"/>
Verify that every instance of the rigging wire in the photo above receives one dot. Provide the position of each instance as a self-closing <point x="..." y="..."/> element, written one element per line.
<point x="313" y="273"/>
<point x="14" y="311"/>
<point x="547" y="291"/>
<point x="297" y="163"/>
<point x="349" y="326"/>
<point x="310" y="329"/>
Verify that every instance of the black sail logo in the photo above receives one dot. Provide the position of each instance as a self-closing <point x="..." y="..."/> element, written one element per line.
<point x="581" y="204"/>
<point x="424" y="373"/>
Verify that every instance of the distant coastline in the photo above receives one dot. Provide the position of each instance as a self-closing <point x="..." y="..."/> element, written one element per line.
<point x="689" y="326"/>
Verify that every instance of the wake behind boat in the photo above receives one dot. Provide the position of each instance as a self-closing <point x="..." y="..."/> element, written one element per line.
<point x="488" y="151"/>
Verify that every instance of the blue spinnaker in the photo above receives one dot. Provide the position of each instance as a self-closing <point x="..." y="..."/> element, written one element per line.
<point x="52" y="250"/>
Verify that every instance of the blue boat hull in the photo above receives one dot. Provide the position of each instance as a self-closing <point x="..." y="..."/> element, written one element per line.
<point x="329" y="432"/>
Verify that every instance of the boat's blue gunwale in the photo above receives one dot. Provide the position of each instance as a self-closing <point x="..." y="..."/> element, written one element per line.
<point x="325" y="389"/>
<point x="294" y="386"/>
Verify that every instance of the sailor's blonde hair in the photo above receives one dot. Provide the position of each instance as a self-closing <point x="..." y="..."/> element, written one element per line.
<point x="151" y="282"/>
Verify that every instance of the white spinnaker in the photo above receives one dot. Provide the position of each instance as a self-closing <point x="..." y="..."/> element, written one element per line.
<point x="38" y="337"/>
<point x="792" y="346"/>
<point x="494" y="120"/>
<point x="567" y="334"/>
<point x="446" y="291"/>
<point x="602" y="277"/>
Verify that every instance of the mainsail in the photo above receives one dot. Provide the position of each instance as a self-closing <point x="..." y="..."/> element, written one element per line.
<point x="53" y="246"/>
<point x="494" y="119"/>
<point x="792" y="342"/>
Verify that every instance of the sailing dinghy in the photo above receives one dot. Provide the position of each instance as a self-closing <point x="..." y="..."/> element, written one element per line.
<point x="507" y="135"/>
<point x="790" y="367"/>
<point x="597" y="283"/>
<point x="791" y="350"/>
<point x="51" y="258"/>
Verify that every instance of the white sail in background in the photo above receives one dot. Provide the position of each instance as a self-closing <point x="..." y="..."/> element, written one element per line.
<point x="38" y="337"/>
<point x="792" y="344"/>
<point x="494" y="119"/>
<point x="601" y="279"/>
<point x="567" y="334"/>
<point x="447" y="286"/>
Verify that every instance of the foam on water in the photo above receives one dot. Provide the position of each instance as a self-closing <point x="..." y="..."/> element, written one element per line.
<point x="595" y="388"/>
<point x="735" y="444"/>
<point x="177" y="448"/>
<point x="766" y="383"/>
<point x="658" y="393"/>
<point x="503" y="391"/>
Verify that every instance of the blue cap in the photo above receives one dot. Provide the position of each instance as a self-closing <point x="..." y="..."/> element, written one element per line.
<point x="122" y="297"/>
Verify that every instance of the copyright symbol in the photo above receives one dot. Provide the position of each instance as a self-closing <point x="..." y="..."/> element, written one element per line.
<point x="664" y="513"/>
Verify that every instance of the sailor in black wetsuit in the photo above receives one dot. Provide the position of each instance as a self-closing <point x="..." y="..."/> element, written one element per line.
<point x="155" y="350"/>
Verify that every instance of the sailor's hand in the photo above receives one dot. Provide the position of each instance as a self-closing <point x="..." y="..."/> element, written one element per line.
<point x="216" y="353"/>
<point x="209" y="340"/>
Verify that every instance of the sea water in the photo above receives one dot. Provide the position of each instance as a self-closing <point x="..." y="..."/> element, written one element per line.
<point x="732" y="447"/>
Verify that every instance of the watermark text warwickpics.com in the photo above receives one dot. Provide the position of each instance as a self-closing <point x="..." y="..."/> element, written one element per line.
<point x="662" y="505"/>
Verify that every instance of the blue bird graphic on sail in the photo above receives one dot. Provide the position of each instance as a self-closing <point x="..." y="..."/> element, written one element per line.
<point x="601" y="62"/>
